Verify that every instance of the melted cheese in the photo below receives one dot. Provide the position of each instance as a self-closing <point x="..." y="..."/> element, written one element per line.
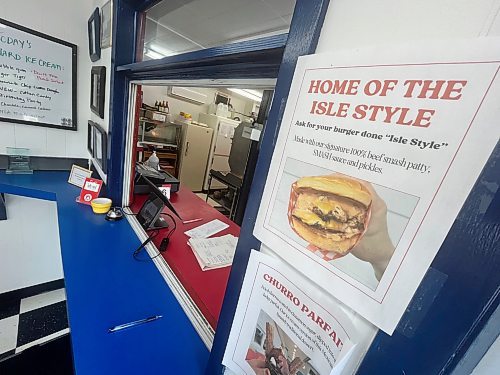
<point x="310" y="218"/>
<point x="339" y="207"/>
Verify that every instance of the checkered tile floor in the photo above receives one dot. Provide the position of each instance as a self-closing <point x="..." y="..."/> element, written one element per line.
<point x="32" y="321"/>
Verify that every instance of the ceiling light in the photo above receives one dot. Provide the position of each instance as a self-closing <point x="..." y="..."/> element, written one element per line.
<point x="158" y="49"/>
<point x="153" y="54"/>
<point x="254" y="92"/>
<point x="250" y="94"/>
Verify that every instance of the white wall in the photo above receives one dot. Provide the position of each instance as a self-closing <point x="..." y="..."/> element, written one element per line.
<point x="240" y="103"/>
<point x="154" y="93"/>
<point x="27" y="260"/>
<point x="354" y="24"/>
<point x="66" y="20"/>
<point x="490" y="363"/>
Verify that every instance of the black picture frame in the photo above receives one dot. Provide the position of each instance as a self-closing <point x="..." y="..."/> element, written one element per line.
<point x="106" y="24"/>
<point x="98" y="144"/>
<point x="98" y="90"/>
<point x="94" y="34"/>
<point x="66" y="123"/>
<point x="90" y="138"/>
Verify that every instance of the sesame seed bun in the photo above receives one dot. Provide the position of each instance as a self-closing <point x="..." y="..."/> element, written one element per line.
<point x="338" y="185"/>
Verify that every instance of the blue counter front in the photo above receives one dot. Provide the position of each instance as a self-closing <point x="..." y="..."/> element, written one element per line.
<point x="105" y="287"/>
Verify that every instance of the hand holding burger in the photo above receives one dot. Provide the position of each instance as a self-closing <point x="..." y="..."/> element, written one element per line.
<point x="341" y="214"/>
<point x="375" y="246"/>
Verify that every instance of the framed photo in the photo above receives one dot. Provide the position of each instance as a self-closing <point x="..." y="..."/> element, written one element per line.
<point x="38" y="78"/>
<point x="94" y="31"/>
<point x="100" y="149"/>
<point x="97" y="90"/>
<point x="99" y="145"/>
<point x="78" y="175"/>
<point x="106" y="24"/>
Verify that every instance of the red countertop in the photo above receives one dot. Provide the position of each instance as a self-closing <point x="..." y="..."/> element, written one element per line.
<point x="206" y="288"/>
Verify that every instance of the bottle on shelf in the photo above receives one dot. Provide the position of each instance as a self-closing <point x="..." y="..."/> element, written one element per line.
<point x="167" y="109"/>
<point x="156" y="105"/>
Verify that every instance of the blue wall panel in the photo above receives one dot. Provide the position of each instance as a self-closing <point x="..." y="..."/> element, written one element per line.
<point x="124" y="32"/>
<point x="470" y="260"/>
<point x="302" y="40"/>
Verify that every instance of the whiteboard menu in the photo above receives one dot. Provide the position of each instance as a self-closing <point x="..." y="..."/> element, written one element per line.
<point x="37" y="78"/>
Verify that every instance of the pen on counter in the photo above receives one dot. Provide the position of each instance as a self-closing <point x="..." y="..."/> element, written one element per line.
<point x="191" y="221"/>
<point x="134" y="323"/>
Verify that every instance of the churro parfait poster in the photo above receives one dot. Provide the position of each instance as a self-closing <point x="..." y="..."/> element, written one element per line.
<point x="376" y="154"/>
<point x="280" y="328"/>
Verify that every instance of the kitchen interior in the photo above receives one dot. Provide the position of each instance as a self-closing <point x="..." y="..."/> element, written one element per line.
<point x="201" y="136"/>
<point x="207" y="137"/>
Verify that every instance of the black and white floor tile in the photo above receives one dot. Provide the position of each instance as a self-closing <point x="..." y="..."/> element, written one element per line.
<point x="32" y="321"/>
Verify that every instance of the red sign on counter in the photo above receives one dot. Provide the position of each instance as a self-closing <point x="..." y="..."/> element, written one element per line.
<point x="90" y="190"/>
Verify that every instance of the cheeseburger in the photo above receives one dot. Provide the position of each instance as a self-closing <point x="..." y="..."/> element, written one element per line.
<point x="329" y="212"/>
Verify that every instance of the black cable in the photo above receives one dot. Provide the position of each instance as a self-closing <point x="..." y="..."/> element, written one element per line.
<point x="156" y="256"/>
<point x="148" y="240"/>
<point x="166" y="240"/>
<point x="153" y="236"/>
<point x="132" y="214"/>
<point x="148" y="259"/>
<point x="173" y="221"/>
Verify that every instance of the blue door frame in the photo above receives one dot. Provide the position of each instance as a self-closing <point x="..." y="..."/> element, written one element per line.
<point x="302" y="40"/>
<point x="461" y="289"/>
<point x="457" y="296"/>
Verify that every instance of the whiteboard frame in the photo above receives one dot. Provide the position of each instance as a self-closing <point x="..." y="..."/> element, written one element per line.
<point x="73" y="48"/>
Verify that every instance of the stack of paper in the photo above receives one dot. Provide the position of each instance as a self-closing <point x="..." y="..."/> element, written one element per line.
<point x="216" y="252"/>
<point x="207" y="230"/>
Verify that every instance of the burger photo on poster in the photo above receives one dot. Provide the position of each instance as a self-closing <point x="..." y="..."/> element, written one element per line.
<point x="350" y="223"/>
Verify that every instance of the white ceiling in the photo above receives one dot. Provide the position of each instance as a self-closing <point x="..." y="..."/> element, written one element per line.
<point x="176" y="26"/>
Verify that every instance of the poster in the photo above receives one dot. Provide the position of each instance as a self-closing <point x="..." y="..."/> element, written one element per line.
<point x="377" y="152"/>
<point x="281" y="328"/>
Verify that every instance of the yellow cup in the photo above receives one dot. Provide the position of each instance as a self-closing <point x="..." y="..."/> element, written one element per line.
<point x="100" y="205"/>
